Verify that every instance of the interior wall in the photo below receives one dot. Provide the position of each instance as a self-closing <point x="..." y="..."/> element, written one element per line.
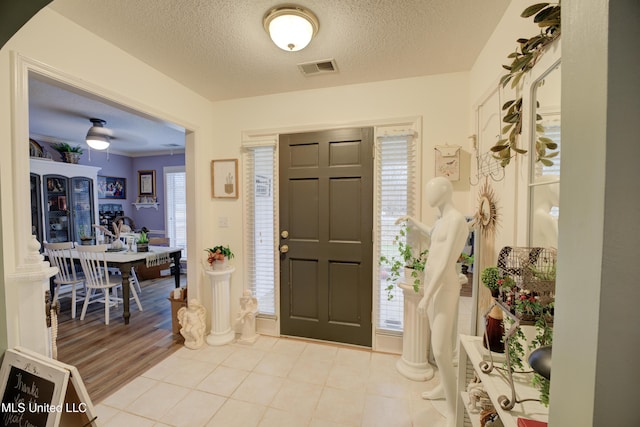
<point x="56" y="42"/>
<point x="436" y="99"/>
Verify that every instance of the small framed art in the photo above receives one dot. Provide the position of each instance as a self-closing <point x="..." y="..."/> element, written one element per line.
<point x="147" y="183"/>
<point x="224" y="179"/>
<point x="111" y="187"/>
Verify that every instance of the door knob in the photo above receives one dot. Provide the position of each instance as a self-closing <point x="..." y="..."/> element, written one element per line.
<point x="284" y="249"/>
<point x="284" y="234"/>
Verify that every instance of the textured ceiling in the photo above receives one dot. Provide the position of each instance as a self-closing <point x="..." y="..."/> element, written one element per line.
<point x="220" y="50"/>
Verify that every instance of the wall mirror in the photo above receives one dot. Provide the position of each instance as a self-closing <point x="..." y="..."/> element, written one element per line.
<point x="544" y="183"/>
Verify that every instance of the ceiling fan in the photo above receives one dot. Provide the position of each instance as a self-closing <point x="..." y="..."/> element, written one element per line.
<point x="99" y="136"/>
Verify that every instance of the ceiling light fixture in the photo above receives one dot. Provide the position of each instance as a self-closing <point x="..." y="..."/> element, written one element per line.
<point x="98" y="137"/>
<point x="291" y="27"/>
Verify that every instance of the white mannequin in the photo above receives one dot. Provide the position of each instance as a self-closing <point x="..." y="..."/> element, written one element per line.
<point x="544" y="232"/>
<point x="441" y="285"/>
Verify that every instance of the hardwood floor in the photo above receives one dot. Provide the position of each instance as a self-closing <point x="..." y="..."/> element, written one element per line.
<point x="109" y="356"/>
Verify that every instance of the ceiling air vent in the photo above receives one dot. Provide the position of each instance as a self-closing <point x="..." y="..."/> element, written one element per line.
<point x="318" y="67"/>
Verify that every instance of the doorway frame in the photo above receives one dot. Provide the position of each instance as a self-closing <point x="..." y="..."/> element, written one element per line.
<point x="21" y="66"/>
<point x="270" y="325"/>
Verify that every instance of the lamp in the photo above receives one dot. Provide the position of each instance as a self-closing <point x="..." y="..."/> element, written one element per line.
<point x="98" y="136"/>
<point x="291" y="27"/>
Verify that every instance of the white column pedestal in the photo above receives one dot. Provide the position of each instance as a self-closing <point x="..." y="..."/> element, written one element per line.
<point x="414" y="362"/>
<point x="221" y="332"/>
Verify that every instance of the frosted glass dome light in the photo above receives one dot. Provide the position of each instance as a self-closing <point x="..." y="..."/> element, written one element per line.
<point x="291" y="27"/>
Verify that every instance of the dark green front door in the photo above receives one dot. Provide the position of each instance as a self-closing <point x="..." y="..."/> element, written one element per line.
<point x="326" y="222"/>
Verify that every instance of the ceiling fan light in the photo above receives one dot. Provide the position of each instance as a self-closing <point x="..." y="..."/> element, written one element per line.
<point x="98" y="142"/>
<point x="97" y="136"/>
<point x="291" y="27"/>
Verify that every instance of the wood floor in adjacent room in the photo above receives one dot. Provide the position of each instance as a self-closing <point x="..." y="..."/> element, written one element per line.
<point x="109" y="356"/>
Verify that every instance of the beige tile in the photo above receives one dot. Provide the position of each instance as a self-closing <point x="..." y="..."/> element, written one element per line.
<point x="130" y="392"/>
<point x="289" y="346"/>
<point x="276" y="364"/>
<point x="389" y="383"/>
<point x="244" y="358"/>
<point x="264" y="343"/>
<point x="358" y="360"/>
<point x="223" y="381"/>
<point x="190" y="373"/>
<point x="319" y="352"/>
<point x="279" y="418"/>
<point x="346" y="378"/>
<point x="384" y="411"/>
<point x="195" y="410"/>
<point x="340" y="406"/>
<point x="237" y="414"/>
<point x="105" y="413"/>
<point x="324" y="423"/>
<point x="207" y="353"/>
<point x="383" y="362"/>
<point x="164" y="368"/>
<point x="129" y="420"/>
<point x="296" y="396"/>
<point x="258" y="388"/>
<point x="311" y="371"/>
<point x="424" y="414"/>
<point x="157" y="401"/>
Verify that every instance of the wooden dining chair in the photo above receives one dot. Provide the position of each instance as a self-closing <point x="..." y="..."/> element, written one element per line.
<point x="67" y="281"/>
<point x="99" y="280"/>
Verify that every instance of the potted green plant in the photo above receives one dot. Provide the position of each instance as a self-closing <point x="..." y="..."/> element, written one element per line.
<point x="69" y="154"/>
<point x="218" y="256"/>
<point x="407" y="261"/>
<point x="465" y="262"/>
<point x="490" y="277"/>
<point x="142" y="244"/>
<point x="84" y="238"/>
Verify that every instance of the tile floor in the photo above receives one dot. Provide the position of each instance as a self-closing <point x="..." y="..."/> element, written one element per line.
<point x="277" y="382"/>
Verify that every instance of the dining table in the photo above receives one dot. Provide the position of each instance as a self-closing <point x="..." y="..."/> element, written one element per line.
<point x="125" y="259"/>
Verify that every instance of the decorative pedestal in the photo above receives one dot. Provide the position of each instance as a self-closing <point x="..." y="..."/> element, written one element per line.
<point x="415" y="340"/>
<point x="221" y="332"/>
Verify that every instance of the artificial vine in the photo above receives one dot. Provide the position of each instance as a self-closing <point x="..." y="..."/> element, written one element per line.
<point x="524" y="58"/>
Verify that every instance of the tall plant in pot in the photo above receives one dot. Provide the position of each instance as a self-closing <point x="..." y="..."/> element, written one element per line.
<point x="409" y="260"/>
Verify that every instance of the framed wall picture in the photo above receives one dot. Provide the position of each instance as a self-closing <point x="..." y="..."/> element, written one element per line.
<point x="224" y="178"/>
<point x="147" y="183"/>
<point x="111" y="187"/>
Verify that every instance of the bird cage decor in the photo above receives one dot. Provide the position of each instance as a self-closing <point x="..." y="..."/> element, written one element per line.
<point x="531" y="273"/>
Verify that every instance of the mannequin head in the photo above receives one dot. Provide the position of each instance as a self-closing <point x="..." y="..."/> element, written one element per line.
<point x="438" y="191"/>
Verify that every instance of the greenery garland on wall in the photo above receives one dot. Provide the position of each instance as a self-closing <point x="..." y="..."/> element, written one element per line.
<point x="525" y="57"/>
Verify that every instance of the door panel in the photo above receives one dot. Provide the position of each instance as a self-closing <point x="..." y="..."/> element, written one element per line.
<point x="326" y="205"/>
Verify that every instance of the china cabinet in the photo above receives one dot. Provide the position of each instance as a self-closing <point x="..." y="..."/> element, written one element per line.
<point x="63" y="200"/>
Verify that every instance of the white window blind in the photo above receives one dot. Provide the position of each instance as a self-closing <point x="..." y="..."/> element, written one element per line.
<point x="260" y="255"/>
<point x="176" y="209"/>
<point x="552" y="131"/>
<point x="396" y="182"/>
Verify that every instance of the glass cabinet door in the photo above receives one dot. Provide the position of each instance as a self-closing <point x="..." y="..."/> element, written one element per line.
<point x="57" y="215"/>
<point x="82" y="208"/>
<point x="36" y="206"/>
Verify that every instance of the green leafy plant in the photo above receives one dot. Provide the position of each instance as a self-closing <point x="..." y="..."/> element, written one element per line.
<point x="465" y="259"/>
<point x="523" y="59"/>
<point x="490" y="277"/>
<point x="406" y="257"/>
<point x="219" y="253"/>
<point x="63" y="147"/>
<point x="143" y="238"/>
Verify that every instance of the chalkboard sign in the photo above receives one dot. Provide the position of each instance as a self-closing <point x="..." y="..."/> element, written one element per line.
<point x="32" y="391"/>
<point x="42" y="392"/>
